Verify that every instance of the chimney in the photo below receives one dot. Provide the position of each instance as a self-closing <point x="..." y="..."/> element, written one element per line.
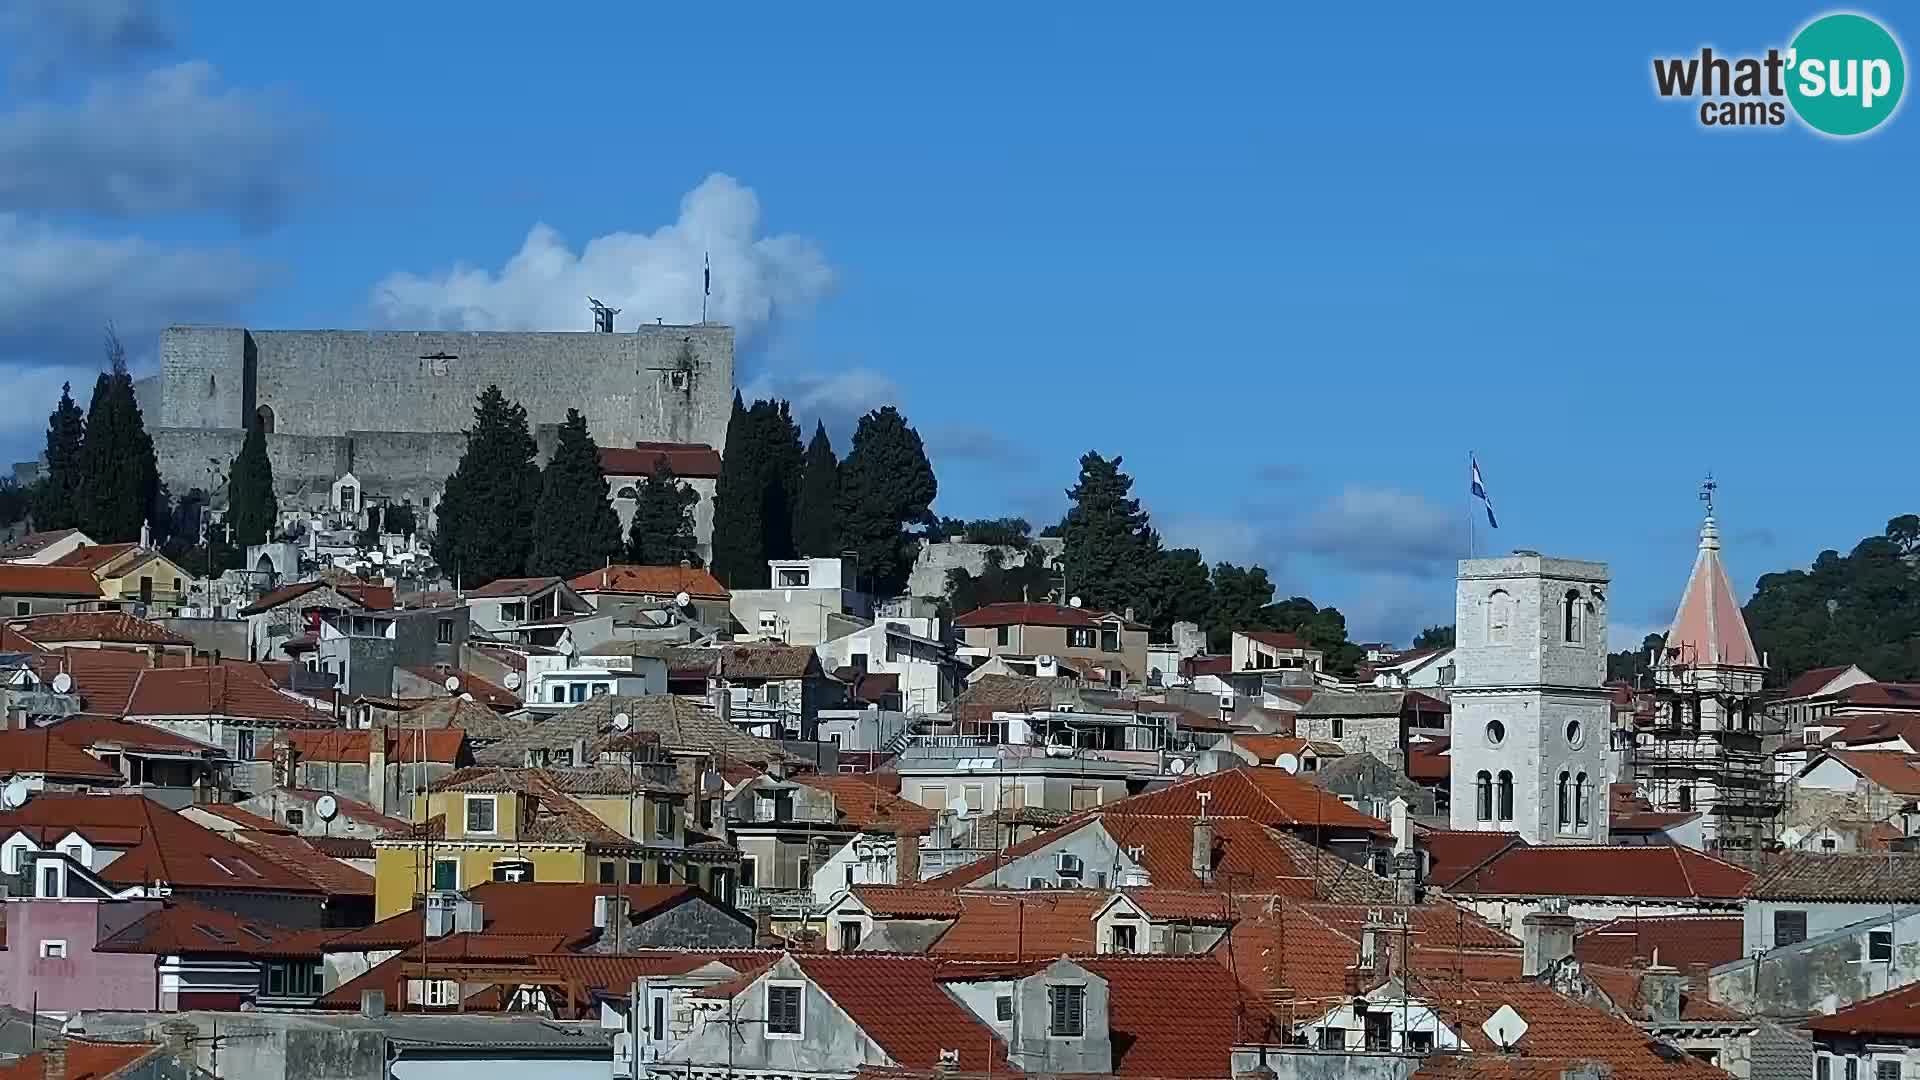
<point x="906" y="858"/>
<point x="285" y="761"/>
<point x="178" y="1036"/>
<point x="1587" y="1070"/>
<point x="373" y="1003"/>
<point x="54" y="1060"/>
<point x="1546" y="938"/>
<point x="1203" y="850"/>
<point x="1661" y="989"/>
<point x="377" y="769"/>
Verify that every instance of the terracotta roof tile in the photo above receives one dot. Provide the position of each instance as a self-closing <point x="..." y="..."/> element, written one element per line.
<point x="1269" y="796"/>
<point x="1043" y="922"/>
<point x="1268" y="748"/>
<point x="108" y="733"/>
<point x="40" y="750"/>
<point x="1896" y="772"/>
<point x="661" y="581"/>
<point x="1194" y="1039"/>
<point x="295" y="854"/>
<point x="908" y="902"/>
<point x="86" y="1060"/>
<point x="66" y="582"/>
<point x="92" y="557"/>
<point x="1680" y="941"/>
<point x="241" y="691"/>
<point x="1451" y="853"/>
<point x="514" y="586"/>
<point x="689" y="461"/>
<point x="1652" y="871"/>
<point x="1008" y="693"/>
<point x="485" y="691"/>
<point x="114" y="627"/>
<point x="246" y="819"/>
<point x="616" y="974"/>
<point x="1560" y="1031"/>
<point x="1886" y="695"/>
<point x="1626" y="987"/>
<point x="899" y="1003"/>
<point x="1809" y="875"/>
<point x="1865" y="730"/>
<point x="443" y="746"/>
<point x="563" y="909"/>
<point x="181" y="926"/>
<point x="163" y="846"/>
<point x="1430" y="760"/>
<point x="863" y="804"/>
<point x="1809" y="682"/>
<point x="1275" y="639"/>
<point x="1895" y="1013"/>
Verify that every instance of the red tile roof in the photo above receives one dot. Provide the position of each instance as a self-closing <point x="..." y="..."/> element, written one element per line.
<point x="1268" y="748"/>
<point x="1206" y="665"/>
<point x="1019" y="614"/>
<point x="1042" y="922"/>
<point x="1895" y="1013"/>
<point x="443" y="746"/>
<point x="899" y="1003"/>
<point x="1884" y="695"/>
<point x="1898" y="773"/>
<point x="181" y="926"/>
<point x="490" y="949"/>
<point x="34" y="542"/>
<point x="864" y="804"/>
<point x="93" y="556"/>
<point x="163" y="846"/>
<point x="485" y="691"/>
<point x="1852" y="877"/>
<point x="689" y="461"/>
<point x="1652" y="871"/>
<point x="617" y="973"/>
<point x="1560" y="1033"/>
<point x="1192" y="1039"/>
<point x="555" y="908"/>
<point x="1269" y="796"/>
<point x="1451" y="853"/>
<point x="295" y="854"/>
<point x="113" y="627"/>
<point x="908" y="902"/>
<point x="281" y="595"/>
<point x="241" y="691"/>
<point x="109" y="733"/>
<point x="513" y="586"/>
<point x="661" y="581"/>
<point x="1808" y="683"/>
<point x="1680" y="941"/>
<point x="1430" y="760"/>
<point x="246" y="819"/>
<point x="39" y="750"/>
<point x="85" y="1060"/>
<point x="68" y="582"/>
<point x="102" y="677"/>
<point x="1869" y="730"/>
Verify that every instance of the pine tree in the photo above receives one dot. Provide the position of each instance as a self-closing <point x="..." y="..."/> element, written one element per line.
<point x="1111" y="551"/>
<point x="120" y="479"/>
<point x="886" y="483"/>
<point x="662" y="531"/>
<point x="484" y="529"/>
<point x="56" y="498"/>
<point x="252" y="507"/>
<point x="816" y="511"/>
<point x="739" y="538"/>
<point x="576" y="529"/>
<point x="780" y="485"/>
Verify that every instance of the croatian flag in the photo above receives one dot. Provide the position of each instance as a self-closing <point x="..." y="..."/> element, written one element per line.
<point x="1480" y="491"/>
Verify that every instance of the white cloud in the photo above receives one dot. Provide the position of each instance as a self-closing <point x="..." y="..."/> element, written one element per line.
<point x="32" y="392"/>
<point x="1237" y="540"/>
<point x="1383" y="529"/>
<point x="171" y="140"/>
<point x="49" y="38"/>
<point x="836" y="399"/>
<point x="757" y="280"/>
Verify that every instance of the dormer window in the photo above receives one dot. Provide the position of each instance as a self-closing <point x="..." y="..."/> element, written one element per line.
<point x="1067" y="1012"/>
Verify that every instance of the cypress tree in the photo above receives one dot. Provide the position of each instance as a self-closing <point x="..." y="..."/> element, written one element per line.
<point x="662" y="531"/>
<point x="886" y="483"/>
<point x="485" y="525"/>
<point x="1111" y="552"/>
<point x="739" y="539"/>
<point x="120" y="479"/>
<point x="780" y="484"/>
<point x="816" y="511"/>
<point x="576" y="529"/>
<point x="252" y="507"/>
<point x="56" y="502"/>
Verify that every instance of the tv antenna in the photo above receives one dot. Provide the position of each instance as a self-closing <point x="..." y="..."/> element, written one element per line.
<point x="602" y="316"/>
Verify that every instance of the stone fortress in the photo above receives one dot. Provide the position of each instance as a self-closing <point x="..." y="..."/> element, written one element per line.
<point x="390" y="407"/>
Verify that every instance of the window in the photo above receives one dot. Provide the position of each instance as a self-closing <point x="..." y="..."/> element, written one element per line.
<point x="1880" y="946"/>
<point x="513" y="612"/>
<point x="1686" y="798"/>
<point x="1506" y="795"/>
<point x="296" y="818"/>
<point x="850" y="935"/>
<point x="659" y="1018"/>
<point x="1123" y="938"/>
<point x="1002" y="635"/>
<point x="1496" y="733"/>
<point x="1499" y="614"/>
<point x="1067" y="1006"/>
<point x="1576" y="735"/>
<point x="636" y="873"/>
<point x="1570" y="617"/>
<point x="513" y="870"/>
<point x="1789" y="928"/>
<point x="663" y="819"/>
<point x="1080" y="637"/>
<point x="1886" y="1070"/>
<point x="51" y="880"/>
<point x="806" y="873"/>
<point x="1483" y="796"/>
<point x="1420" y="1042"/>
<point x="1109" y="639"/>
<point x="53" y="950"/>
<point x="793" y="579"/>
<point x="440" y="992"/>
<point x="1339" y="728"/>
<point x="749" y="866"/>
<point x="783" y="1010"/>
<point x="1565" y="789"/>
<point x="21" y="607"/>
<point x="606" y="872"/>
<point x="1823" y="1068"/>
<point x="1853" y="1069"/>
<point x="243" y="745"/>
<point x="1333" y="1038"/>
<point x="480" y="813"/>
<point x="663" y="873"/>
<point x="559" y="694"/>
<point x="771" y="692"/>
<point x="446" y="875"/>
<point x="1580" y="801"/>
<point x="1003" y="1008"/>
<point x="443" y="632"/>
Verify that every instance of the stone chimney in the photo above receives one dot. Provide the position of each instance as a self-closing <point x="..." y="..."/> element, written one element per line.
<point x="1661" y="990"/>
<point x="54" y="1060"/>
<point x="1546" y="938"/>
<point x="1406" y="861"/>
<point x="906" y="858"/>
<point x="373" y="1003"/>
<point x="178" y="1036"/>
<point x="1203" y="850"/>
<point x="285" y="763"/>
<point x="377" y="769"/>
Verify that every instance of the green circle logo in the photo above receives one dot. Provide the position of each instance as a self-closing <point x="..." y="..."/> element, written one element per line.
<point x="1845" y="74"/>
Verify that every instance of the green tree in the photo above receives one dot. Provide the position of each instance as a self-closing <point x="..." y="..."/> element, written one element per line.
<point x="486" y="521"/>
<point x="16" y="502"/>
<point x="998" y="582"/>
<point x="1241" y="596"/>
<point x="252" y="507"/>
<point x="780" y="484"/>
<point x="1631" y="665"/>
<point x="886" y="484"/>
<point x="739" y="534"/>
<point x="56" y="497"/>
<point x="662" y="530"/>
<point x="399" y="520"/>
<point x="1434" y="637"/>
<point x="1112" y="553"/>
<point x="1181" y="591"/>
<point x="816" y="512"/>
<point x="120" y="479"/>
<point x="575" y="529"/>
<point x="1859" y="608"/>
<point x="1324" y="628"/>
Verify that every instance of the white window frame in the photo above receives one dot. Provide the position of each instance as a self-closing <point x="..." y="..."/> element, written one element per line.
<point x="54" y="949"/>
<point x="493" y="811"/>
<point x="434" y="993"/>
<point x="801" y="1013"/>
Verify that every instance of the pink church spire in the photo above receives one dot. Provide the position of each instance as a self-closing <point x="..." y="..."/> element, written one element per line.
<point x="1709" y="622"/>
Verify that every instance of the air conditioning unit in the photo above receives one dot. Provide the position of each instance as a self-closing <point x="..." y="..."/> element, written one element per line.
<point x="1068" y="864"/>
<point x="1039" y="883"/>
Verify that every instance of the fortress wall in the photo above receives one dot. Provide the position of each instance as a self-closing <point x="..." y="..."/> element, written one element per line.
<point x="203" y="380"/>
<point x="183" y="455"/>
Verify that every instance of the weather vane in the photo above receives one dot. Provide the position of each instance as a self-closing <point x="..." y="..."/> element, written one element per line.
<point x="1707" y="488"/>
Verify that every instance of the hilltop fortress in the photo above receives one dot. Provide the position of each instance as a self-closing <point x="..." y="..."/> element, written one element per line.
<point x="390" y="407"/>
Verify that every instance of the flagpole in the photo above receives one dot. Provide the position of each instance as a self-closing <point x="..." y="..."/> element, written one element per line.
<point x="1470" y="507"/>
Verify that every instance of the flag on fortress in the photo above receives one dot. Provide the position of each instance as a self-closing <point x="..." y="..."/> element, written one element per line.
<point x="1480" y="491"/>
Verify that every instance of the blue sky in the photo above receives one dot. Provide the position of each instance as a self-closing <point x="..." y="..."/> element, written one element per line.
<point x="1292" y="264"/>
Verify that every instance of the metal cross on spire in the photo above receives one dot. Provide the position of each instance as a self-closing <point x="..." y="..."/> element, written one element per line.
<point x="1707" y="488"/>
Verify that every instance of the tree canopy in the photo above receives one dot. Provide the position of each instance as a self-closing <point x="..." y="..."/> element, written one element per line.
<point x="1859" y="608"/>
<point x="576" y="529"/>
<point x="753" y="501"/>
<point x="662" y="532"/>
<point x="486" y="521"/>
<point x="252" y="506"/>
<point x="120" y="479"/>
<point x="1434" y="637"/>
<point x="816" y="510"/>
<point x="886" y="485"/>
<point x="56" y="497"/>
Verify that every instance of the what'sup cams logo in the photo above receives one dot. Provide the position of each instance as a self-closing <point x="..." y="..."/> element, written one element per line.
<point x="1842" y="76"/>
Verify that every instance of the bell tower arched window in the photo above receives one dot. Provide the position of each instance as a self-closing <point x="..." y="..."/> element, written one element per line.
<point x="1580" y="802"/>
<point x="1499" y="616"/>
<point x="1565" y="786"/>
<point x="1483" y="796"/>
<point x="1571" y="617"/>
<point x="1506" y="795"/>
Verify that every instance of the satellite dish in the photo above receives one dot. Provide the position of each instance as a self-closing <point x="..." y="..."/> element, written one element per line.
<point x="513" y="680"/>
<point x="63" y="683"/>
<point x="15" y="794"/>
<point x="1288" y="763"/>
<point x="325" y="807"/>
<point x="959" y="806"/>
<point x="1504" y="1027"/>
<point x="466" y="696"/>
<point x="453" y="684"/>
<point x="621" y="721"/>
<point x="1177" y="766"/>
<point x="682" y="599"/>
<point x="1074" y="602"/>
